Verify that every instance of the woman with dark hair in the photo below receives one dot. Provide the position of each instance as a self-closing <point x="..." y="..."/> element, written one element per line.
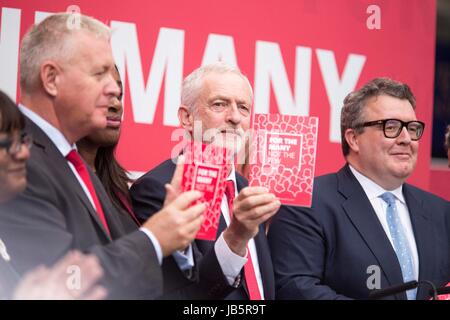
<point x="98" y="150"/>
<point x="447" y="143"/>
<point x="14" y="152"/>
<point x="42" y="282"/>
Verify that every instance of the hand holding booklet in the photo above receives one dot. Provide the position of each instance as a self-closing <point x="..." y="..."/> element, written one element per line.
<point x="206" y="169"/>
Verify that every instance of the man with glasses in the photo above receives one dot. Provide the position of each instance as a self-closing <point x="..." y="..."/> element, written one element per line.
<point x="367" y="229"/>
<point x="13" y="180"/>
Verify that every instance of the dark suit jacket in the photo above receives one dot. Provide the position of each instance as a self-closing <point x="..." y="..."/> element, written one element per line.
<point x="54" y="216"/>
<point x="208" y="281"/>
<point x="324" y="252"/>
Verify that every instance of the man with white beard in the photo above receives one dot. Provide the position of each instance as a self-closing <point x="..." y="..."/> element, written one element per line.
<point x="216" y="106"/>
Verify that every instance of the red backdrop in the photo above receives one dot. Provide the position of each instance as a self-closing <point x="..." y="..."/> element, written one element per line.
<point x="302" y="57"/>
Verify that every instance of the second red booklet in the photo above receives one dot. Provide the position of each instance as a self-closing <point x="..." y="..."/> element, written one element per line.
<point x="206" y="169"/>
<point x="283" y="156"/>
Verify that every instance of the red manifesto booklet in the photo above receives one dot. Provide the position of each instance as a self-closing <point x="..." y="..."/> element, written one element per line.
<point x="283" y="156"/>
<point x="206" y="170"/>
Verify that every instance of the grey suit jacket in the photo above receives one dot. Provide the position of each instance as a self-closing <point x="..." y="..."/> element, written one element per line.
<point x="54" y="216"/>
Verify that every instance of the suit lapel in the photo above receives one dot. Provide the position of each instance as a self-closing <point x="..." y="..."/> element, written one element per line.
<point x="114" y="224"/>
<point x="422" y="228"/>
<point x="75" y="185"/>
<point x="59" y="163"/>
<point x="360" y="212"/>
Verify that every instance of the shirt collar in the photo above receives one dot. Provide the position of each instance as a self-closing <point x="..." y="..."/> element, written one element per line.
<point x="54" y="134"/>
<point x="374" y="190"/>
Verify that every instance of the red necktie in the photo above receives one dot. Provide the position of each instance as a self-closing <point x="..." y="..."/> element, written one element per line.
<point x="79" y="165"/>
<point x="249" y="271"/>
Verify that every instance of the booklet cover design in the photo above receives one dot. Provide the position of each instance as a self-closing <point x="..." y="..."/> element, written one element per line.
<point x="283" y="156"/>
<point x="206" y="170"/>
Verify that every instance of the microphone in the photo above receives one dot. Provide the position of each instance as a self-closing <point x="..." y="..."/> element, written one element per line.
<point x="441" y="291"/>
<point x="381" y="293"/>
<point x="444" y="290"/>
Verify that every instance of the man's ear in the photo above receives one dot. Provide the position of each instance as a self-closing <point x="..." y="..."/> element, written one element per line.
<point x="186" y="118"/>
<point x="352" y="139"/>
<point x="49" y="74"/>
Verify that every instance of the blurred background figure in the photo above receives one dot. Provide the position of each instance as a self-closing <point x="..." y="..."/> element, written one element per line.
<point x="98" y="150"/>
<point x="447" y="143"/>
<point x="42" y="282"/>
<point x="73" y="277"/>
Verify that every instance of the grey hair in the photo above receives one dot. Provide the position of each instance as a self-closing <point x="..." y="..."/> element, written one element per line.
<point x="192" y="84"/>
<point x="49" y="40"/>
<point x="355" y="103"/>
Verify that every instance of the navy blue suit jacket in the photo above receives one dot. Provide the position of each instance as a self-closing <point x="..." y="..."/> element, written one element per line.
<point x="208" y="281"/>
<point x="324" y="252"/>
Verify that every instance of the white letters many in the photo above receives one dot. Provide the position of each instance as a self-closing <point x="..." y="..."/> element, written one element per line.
<point x="167" y="64"/>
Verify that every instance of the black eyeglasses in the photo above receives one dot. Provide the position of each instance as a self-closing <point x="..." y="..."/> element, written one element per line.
<point x="393" y="127"/>
<point x="14" y="145"/>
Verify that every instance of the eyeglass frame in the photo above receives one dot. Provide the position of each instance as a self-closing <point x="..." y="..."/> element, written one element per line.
<point x="404" y="124"/>
<point x="8" y="144"/>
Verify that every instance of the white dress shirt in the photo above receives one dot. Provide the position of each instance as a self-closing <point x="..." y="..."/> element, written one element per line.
<point x="373" y="192"/>
<point x="64" y="147"/>
<point x="231" y="263"/>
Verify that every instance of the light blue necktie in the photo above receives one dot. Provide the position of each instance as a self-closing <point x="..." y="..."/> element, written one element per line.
<point x="183" y="259"/>
<point x="401" y="246"/>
